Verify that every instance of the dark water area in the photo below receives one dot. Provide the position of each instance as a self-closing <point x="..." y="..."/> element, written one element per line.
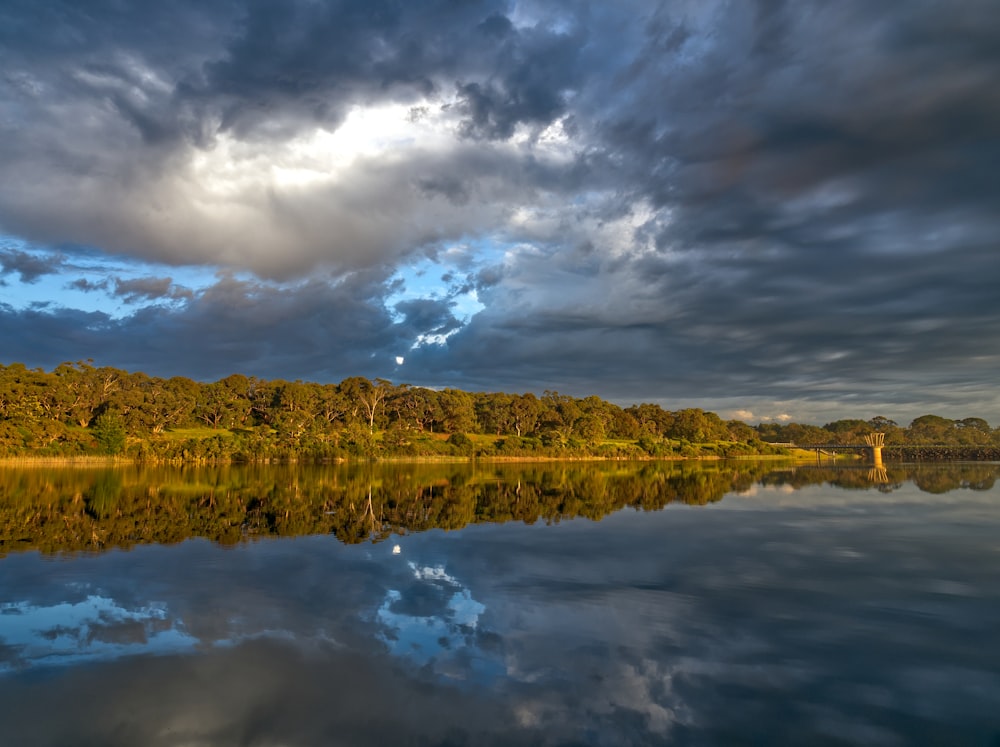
<point x="556" y="604"/>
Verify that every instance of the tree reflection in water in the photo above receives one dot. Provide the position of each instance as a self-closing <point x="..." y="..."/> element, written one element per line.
<point x="67" y="509"/>
<point x="800" y="606"/>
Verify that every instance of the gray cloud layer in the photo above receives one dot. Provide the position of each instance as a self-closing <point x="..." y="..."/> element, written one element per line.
<point x="761" y="204"/>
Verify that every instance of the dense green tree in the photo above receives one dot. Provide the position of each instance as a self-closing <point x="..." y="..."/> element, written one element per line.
<point x="171" y="402"/>
<point x="331" y="405"/>
<point x="461" y="443"/>
<point x="242" y="392"/>
<point x="590" y="427"/>
<point x="366" y="397"/>
<point x="622" y="425"/>
<point x="882" y="423"/>
<point x="797" y="433"/>
<point x="652" y="419"/>
<point x="215" y="405"/>
<point x="694" y="424"/>
<point x="557" y="418"/>
<point x="893" y="433"/>
<point x="849" y="431"/>
<point x="293" y="409"/>
<point x="21" y="393"/>
<point x="525" y="411"/>
<point x="740" y="431"/>
<point x="972" y="431"/>
<point x="932" y="429"/>
<point x="494" y="412"/>
<point x="418" y="408"/>
<point x="108" y="429"/>
<point x="458" y="414"/>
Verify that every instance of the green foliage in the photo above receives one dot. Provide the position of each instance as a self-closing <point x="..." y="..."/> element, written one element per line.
<point x="242" y="418"/>
<point x="40" y="509"/>
<point x="101" y="500"/>
<point x="359" y="440"/>
<point x="653" y="446"/>
<point x="461" y="443"/>
<point x="109" y="432"/>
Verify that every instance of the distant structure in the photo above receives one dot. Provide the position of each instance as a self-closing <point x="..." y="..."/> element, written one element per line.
<point x="875" y="442"/>
<point x="878" y="475"/>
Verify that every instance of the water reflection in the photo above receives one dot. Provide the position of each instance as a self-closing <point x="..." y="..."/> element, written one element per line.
<point x="435" y="621"/>
<point x="93" y="628"/>
<point x="65" y="509"/>
<point x="795" y="606"/>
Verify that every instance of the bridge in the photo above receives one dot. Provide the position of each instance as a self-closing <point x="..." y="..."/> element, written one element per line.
<point x="873" y="443"/>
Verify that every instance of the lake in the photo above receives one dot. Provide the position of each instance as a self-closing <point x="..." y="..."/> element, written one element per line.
<point x="542" y="604"/>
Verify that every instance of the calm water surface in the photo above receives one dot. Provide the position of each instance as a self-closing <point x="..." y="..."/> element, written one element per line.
<point x="551" y="605"/>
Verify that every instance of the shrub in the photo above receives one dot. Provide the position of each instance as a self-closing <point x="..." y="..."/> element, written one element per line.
<point x="109" y="430"/>
<point x="461" y="443"/>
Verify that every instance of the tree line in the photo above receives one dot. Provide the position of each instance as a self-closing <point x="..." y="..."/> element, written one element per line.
<point x="924" y="430"/>
<point x="79" y="408"/>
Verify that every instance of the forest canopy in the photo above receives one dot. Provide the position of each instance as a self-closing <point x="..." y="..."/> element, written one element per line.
<point x="79" y="408"/>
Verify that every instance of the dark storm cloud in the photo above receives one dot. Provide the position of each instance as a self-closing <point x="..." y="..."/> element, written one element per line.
<point x="88" y="286"/>
<point x="302" y="60"/>
<point x="804" y="122"/>
<point x="149" y="289"/>
<point x="173" y="107"/>
<point x="28" y="266"/>
<point x="313" y="331"/>
<point x="827" y="172"/>
<point x="134" y="290"/>
<point x="428" y="316"/>
<point x="781" y="201"/>
<point x="540" y="68"/>
<point x="828" y="329"/>
<point x="318" y="58"/>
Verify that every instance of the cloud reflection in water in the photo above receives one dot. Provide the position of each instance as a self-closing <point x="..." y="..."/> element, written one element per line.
<point x="95" y="628"/>
<point x="803" y="615"/>
<point x="435" y="621"/>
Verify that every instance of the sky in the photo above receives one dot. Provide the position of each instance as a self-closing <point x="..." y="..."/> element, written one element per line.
<point x="772" y="210"/>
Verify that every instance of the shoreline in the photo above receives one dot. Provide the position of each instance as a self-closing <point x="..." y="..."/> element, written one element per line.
<point x="97" y="460"/>
<point x="83" y="461"/>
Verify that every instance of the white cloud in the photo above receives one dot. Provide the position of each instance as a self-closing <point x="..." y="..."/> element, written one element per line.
<point x="93" y="629"/>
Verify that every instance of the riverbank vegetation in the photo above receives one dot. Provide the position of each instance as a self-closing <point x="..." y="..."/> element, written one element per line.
<point x="79" y="410"/>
